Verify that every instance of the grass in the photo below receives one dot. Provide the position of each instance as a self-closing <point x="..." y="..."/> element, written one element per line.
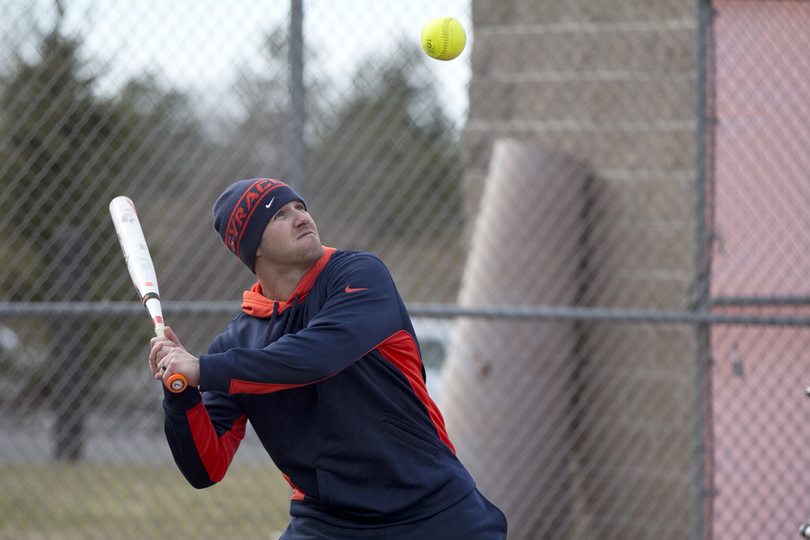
<point x="89" y="501"/>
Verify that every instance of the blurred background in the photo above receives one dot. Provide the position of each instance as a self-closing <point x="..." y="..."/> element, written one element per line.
<point x="597" y="215"/>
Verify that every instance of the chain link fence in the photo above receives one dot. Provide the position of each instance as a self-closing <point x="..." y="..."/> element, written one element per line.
<point x="597" y="216"/>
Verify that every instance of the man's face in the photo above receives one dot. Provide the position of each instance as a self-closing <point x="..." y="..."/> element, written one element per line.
<point x="290" y="238"/>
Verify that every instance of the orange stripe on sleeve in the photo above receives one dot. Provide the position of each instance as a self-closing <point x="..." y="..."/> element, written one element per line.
<point x="216" y="452"/>
<point x="401" y="350"/>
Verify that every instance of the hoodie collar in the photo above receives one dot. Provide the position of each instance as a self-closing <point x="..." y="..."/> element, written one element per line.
<point x="254" y="303"/>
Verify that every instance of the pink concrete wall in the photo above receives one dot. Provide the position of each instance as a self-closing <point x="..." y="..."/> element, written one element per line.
<point x="762" y="222"/>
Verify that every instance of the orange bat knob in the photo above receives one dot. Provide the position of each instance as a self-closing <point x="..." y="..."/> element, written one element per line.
<point x="177" y="383"/>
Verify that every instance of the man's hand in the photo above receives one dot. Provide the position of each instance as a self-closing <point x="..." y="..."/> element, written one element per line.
<point x="168" y="356"/>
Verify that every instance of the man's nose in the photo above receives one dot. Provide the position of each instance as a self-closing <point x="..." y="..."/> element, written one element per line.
<point x="301" y="217"/>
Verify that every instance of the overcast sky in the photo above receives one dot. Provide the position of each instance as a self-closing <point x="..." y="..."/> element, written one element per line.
<point x="201" y="45"/>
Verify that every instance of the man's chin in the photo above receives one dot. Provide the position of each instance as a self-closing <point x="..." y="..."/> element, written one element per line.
<point x="315" y="251"/>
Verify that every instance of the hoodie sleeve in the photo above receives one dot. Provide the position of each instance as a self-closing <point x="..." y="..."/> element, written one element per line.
<point x="203" y="433"/>
<point x="362" y="310"/>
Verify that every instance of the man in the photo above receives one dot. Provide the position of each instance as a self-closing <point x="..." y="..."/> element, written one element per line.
<point x="324" y="364"/>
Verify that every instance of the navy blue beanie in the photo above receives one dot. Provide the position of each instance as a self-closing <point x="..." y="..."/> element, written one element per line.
<point x="243" y="211"/>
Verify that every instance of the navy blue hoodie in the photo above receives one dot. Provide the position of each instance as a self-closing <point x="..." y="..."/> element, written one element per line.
<point x="333" y="384"/>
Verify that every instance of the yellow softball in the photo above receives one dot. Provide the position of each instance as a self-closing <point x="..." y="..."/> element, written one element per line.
<point x="443" y="38"/>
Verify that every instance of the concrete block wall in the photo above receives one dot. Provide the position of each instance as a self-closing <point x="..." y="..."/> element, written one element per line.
<point x="612" y="83"/>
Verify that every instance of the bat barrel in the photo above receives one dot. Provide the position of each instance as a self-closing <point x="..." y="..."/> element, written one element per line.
<point x="141" y="269"/>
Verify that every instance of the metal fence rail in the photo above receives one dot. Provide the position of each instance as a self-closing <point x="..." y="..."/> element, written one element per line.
<point x="100" y="310"/>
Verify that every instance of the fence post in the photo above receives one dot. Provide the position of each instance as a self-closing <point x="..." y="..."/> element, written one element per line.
<point x="701" y="412"/>
<point x="68" y="335"/>
<point x="297" y="110"/>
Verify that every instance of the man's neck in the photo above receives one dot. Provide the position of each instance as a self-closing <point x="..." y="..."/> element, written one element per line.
<point x="280" y="283"/>
<point x="279" y="280"/>
<point x="280" y="287"/>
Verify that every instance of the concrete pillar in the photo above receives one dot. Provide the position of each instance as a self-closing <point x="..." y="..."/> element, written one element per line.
<point x="509" y="383"/>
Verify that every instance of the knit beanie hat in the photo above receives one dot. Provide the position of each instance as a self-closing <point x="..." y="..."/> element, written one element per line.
<point x="243" y="211"/>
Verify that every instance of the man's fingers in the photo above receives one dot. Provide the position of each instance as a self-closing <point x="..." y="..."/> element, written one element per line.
<point x="169" y="333"/>
<point x="159" y="350"/>
<point x="153" y="360"/>
<point x="168" y="358"/>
